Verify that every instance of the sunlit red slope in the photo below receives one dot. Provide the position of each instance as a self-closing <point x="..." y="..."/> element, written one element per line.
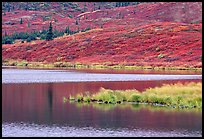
<point x="160" y="34"/>
<point x="180" y="44"/>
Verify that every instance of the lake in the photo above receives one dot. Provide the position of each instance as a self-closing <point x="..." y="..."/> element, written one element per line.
<point x="32" y="104"/>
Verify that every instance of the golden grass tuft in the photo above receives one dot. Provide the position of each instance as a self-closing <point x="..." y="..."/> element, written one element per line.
<point x="188" y="95"/>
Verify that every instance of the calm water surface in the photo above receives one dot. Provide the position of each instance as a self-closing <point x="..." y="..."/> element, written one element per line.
<point x="38" y="76"/>
<point x="37" y="109"/>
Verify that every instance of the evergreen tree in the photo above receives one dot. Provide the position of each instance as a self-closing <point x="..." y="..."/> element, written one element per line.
<point x="67" y="30"/>
<point x="28" y="39"/>
<point x="50" y="33"/>
<point x="89" y="28"/>
<point x="77" y="22"/>
<point x="122" y="4"/>
<point x="117" y="4"/>
<point x="28" y="24"/>
<point x="94" y="6"/>
<point x="7" y="40"/>
<point x="9" y="9"/>
<point x="32" y="35"/>
<point x="21" y="21"/>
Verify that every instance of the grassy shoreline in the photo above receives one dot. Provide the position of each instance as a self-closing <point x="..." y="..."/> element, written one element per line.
<point x="188" y="95"/>
<point x="78" y="65"/>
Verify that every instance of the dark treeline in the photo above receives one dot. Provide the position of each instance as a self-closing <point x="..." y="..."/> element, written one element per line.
<point x="34" y="35"/>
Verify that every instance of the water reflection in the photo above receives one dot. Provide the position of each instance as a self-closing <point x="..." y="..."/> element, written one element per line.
<point x="143" y="116"/>
<point x="42" y="104"/>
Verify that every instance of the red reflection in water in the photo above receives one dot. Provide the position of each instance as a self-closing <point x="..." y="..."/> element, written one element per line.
<point x="42" y="103"/>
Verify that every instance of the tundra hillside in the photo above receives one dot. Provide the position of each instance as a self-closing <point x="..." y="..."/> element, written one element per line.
<point x="159" y="34"/>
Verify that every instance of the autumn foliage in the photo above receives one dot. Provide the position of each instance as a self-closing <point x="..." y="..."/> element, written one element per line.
<point x="159" y="34"/>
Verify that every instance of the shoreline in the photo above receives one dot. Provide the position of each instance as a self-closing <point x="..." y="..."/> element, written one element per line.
<point x="78" y="65"/>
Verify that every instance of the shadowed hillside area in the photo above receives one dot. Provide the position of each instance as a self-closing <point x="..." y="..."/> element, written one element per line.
<point x="156" y="34"/>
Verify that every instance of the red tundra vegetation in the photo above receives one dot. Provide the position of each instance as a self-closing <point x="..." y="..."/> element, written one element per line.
<point x="165" y="34"/>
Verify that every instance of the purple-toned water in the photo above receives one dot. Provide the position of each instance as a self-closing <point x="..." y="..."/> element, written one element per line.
<point x="46" y="76"/>
<point x="37" y="109"/>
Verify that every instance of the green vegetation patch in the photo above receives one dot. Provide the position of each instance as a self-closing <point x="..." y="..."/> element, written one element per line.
<point x="188" y="95"/>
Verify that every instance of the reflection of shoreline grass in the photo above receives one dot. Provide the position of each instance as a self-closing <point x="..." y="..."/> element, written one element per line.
<point x="78" y="65"/>
<point x="134" y="107"/>
<point x="178" y="95"/>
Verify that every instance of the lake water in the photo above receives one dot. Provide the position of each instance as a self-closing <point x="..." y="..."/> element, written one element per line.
<point x="32" y="104"/>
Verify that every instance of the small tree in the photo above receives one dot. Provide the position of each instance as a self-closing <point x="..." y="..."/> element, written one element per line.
<point x="7" y="40"/>
<point x="117" y="4"/>
<point x="67" y="30"/>
<point x="9" y="9"/>
<point x="94" y="6"/>
<point x="28" y="39"/>
<point x="28" y="24"/>
<point x="77" y="22"/>
<point x="55" y="19"/>
<point x="33" y="36"/>
<point x="50" y="33"/>
<point x="21" y="21"/>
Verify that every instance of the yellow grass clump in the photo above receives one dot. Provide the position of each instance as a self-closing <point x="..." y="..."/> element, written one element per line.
<point x="188" y="95"/>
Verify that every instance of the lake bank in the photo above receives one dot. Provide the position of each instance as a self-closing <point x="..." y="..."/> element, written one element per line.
<point x="107" y="65"/>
